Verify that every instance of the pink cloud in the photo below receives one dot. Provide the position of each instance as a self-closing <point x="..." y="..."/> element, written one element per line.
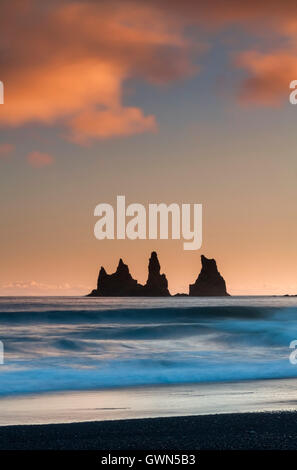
<point x="33" y="287"/>
<point x="76" y="55"/>
<point x="74" y="58"/>
<point x="39" y="160"/>
<point x="112" y="122"/>
<point x="269" y="76"/>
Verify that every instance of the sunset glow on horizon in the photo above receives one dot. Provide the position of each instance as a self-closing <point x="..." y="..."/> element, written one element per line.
<point x="160" y="101"/>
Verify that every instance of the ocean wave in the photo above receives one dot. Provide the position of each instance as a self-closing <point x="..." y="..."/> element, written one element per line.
<point x="187" y="314"/>
<point x="137" y="373"/>
<point x="154" y="342"/>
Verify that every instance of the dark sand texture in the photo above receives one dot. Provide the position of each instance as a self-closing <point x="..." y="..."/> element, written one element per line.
<point x="229" y="431"/>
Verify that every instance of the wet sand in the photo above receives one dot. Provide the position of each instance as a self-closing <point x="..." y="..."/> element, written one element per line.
<point x="149" y="402"/>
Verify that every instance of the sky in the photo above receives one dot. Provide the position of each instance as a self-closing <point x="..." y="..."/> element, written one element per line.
<point x="160" y="101"/>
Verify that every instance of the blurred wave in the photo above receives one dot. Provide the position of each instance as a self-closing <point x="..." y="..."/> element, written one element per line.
<point x="54" y="344"/>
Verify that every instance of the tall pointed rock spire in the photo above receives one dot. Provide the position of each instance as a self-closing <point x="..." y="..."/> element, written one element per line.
<point x="209" y="282"/>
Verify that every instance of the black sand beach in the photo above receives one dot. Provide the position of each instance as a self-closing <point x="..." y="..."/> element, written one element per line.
<point x="244" y="431"/>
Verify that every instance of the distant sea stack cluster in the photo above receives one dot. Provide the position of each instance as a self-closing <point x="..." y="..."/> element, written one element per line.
<point x="122" y="284"/>
<point x="209" y="283"/>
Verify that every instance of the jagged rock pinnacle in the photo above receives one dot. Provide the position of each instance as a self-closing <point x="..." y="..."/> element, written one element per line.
<point x="121" y="283"/>
<point x="209" y="281"/>
<point x="157" y="284"/>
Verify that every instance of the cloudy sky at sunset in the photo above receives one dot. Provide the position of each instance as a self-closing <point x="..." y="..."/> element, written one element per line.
<point x="161" y="101"/>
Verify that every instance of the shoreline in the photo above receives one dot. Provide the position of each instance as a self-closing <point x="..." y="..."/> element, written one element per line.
<point x="144" y="402"/>
<point x="230" y="431"/>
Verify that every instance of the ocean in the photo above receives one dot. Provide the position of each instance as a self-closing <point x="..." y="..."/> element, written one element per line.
<point x="151" y="348"/>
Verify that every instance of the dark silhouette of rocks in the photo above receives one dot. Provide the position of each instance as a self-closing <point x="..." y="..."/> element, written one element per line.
<point x="156" y="284"/>
<point x="209" y="282"/>
<point x="122" y="284"/>
<point x="118" y="284"/>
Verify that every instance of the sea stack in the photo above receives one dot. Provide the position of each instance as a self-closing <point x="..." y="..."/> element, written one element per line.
<point x="118" y="284"/>
<point x="156" y="284"/>
<point x="122" y="284"/>
<point x="209" y="282"/>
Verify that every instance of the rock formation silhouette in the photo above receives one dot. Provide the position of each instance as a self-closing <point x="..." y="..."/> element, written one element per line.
<point x="156" y="284"/>
<point x="122" y="284"/>
<point x="209" y="282"/>
<point x="118" y="284"/>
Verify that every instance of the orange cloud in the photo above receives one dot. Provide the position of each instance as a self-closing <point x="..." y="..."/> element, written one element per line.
<point x="71" y="63"/>
<point x="112" y="122"/>
<point x="39" y="160"/>
<point x="5" y="150"/>
<point x="270" y="75"/>
<point x="74" y="57"/>
<point x="269" y="70"/>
